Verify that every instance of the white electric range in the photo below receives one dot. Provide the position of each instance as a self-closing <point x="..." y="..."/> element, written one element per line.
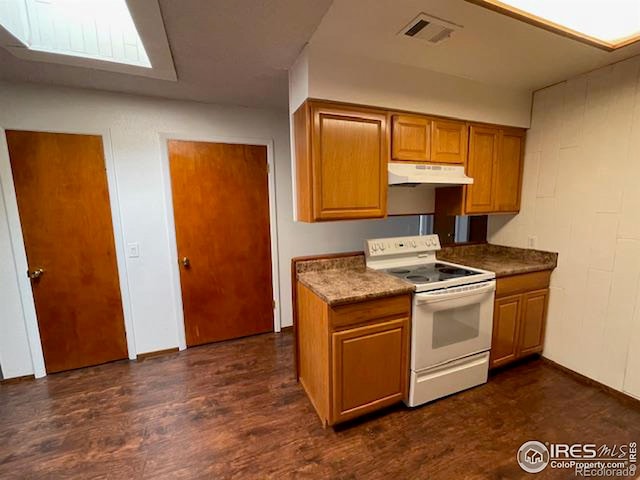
<point x="452" y="315"/>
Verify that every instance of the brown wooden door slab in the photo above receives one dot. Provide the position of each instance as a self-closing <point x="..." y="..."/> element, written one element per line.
<point x="63" y="201"/>
<point x="221" y="209"/>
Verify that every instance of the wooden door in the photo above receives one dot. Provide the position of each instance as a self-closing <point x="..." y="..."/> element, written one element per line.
<point x="63" y="200"/>
<point x="449" y="141"/>
<point x="532" y="325"/>
<point x="221" y="210"/>
<point x="350" y="156"/>
<point x="369" y="368"/>
<point x="508" y="182"/>
<point x="411" y="138"/>
<point x="483" y="153"/>
<point x="506" y="320"/>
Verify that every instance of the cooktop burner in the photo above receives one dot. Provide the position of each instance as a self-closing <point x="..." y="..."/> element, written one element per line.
<point x="417" y="278"/>
<point x="460" y="272"/>
<point x="430" y="273"/>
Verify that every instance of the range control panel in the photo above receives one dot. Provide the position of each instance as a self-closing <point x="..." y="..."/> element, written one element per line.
<point x="402" y="245"/>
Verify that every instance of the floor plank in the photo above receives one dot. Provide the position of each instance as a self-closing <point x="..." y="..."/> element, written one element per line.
<point x="233" y="410"/>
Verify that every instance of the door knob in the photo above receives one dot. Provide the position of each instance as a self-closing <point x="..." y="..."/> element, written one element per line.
<point x="37" y="273"/>
<point x="186" y="263"/>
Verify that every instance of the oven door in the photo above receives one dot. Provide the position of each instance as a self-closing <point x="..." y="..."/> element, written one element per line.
<point x="452" y="323"/>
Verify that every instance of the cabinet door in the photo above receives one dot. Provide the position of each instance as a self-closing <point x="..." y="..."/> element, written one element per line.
<point x="369" y="368"/>
<point x="483" y="154"/>
<point x="506" y="319"/>
<point x="350" y="156"/>
<point x="411" y="138"/>
<point x="533" y="322"/>
<point x="448" y="141"/>
<point x="508" y="171"/>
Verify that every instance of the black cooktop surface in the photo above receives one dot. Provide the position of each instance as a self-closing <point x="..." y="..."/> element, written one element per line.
<point x="429" y="273"/>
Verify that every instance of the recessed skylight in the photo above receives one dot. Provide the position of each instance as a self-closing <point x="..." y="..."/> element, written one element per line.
<point x="93" y="29"/>
<point x="609" y="24"/>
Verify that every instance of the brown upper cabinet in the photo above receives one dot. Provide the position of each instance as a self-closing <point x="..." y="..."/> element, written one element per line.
<point x="411" y="138"/>
<point x="342" y="152"/>
<point x="417" y="138"/>
<point x="481" y="166"/>
<point x="341" y="160"/>
<point x="495" y="163"/>
<point x="449" y="141"/>
<point x="509" y="171"/>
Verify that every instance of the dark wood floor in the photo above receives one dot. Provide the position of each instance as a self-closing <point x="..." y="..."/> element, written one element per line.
<point x="233" y="410"/>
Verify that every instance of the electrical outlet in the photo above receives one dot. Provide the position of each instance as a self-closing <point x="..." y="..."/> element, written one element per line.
<point x="532" y="241"/>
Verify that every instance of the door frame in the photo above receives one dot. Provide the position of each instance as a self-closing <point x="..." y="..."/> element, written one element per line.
<point x="7" y="190"/>
<point x="163" y="139"/>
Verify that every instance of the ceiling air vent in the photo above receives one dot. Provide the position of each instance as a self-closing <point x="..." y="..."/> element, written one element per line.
<point x="429" y="29"/>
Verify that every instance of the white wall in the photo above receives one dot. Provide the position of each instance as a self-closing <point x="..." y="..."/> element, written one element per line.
<point x="335" y="76"/>
<point x="135" y="124"/>
<point x="581" y="198"/>
<point x="15" y="357"/>
<point x="299" y="80"/>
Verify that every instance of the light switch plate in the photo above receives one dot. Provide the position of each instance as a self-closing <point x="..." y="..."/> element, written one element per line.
<point x="532" y="241"/>
<point x="133" y="250"/>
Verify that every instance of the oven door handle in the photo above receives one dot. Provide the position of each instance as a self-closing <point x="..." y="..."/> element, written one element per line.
<point x="428" y="297"/>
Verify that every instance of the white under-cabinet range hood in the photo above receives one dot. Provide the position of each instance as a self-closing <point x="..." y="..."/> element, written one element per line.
<point x="420" y="173"/>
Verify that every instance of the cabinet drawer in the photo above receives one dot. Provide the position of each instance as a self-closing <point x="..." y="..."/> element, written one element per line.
<point x="457" y="375"/>
<point x="522" y="283"/>
<point x="362" y="312"/>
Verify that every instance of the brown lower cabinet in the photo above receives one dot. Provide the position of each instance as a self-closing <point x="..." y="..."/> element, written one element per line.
<point x="519" y="317"/>
<point x="353" y="359"/>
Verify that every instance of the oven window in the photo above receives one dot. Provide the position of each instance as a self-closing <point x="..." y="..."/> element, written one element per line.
<point x="455" y="325"/>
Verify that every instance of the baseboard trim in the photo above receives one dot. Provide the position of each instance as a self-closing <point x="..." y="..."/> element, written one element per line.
<point x="514" y="363"/>
<point x="21" y="379"/>
<point x="157" y="353"/>
<point x="622" y="396"/>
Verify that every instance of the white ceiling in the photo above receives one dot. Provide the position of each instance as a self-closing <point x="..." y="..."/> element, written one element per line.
<point x="225" y="51"/>
<point x="491" y="48"/>
<point x="88" y="40"/>
<point x="238" y="51"/>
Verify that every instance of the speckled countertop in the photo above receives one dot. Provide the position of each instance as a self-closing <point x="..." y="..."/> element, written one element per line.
<point x="504" y="261"/>
<point x="347" y="280"/>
